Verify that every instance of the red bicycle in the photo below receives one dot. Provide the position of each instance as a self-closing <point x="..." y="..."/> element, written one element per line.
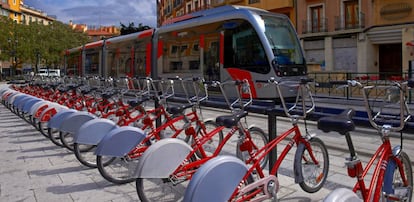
<point x="392" y="178"/>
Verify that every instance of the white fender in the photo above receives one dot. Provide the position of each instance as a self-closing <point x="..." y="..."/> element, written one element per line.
<point x="120" y="141"/>
<point x="36" y="107"/>
<point x="50" y="111"/>
<point x="59" y="117"/>
<point x="14" y="98"/>
<point x="19" y="99"/>
<point x="23" y="101"/>
<point x="29" y="104"/>
<point x="93" y="131"/>
<point x="74" y="121"/>
<point x="165" y="155"/>
<point x="342" y="195"/>
<point x="5" y="96"/>
<point x="220" y="175"/>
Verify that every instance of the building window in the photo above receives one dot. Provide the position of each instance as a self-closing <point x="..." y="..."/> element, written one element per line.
<point x="253" y="1"/>
<point x="351" y="14"/>
<point x="14" y="2"/>
<point x="316" y="18"/>
<point x="189" y="7"/>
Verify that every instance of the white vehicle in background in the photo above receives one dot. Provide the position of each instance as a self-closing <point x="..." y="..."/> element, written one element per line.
<point x="49" y="72"/>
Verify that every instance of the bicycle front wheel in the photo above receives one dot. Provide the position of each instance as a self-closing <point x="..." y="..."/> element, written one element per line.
<point x="313" y="171"/>
<point x="258" y="137"/>
<point x="160" y="189"/>
<point x="394" y="182"/>
<point x="213" y="143"/>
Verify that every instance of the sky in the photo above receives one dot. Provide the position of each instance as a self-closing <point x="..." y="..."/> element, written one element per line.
<point x="99" y="12"/>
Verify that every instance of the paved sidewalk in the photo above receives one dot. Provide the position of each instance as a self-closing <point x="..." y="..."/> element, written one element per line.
<point x="34" y="169"/>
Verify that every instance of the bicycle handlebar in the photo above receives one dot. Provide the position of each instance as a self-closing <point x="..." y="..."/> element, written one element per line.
<point x="401" y="86"/>
<point x="242" y="89"/>
<point x="302" y="86"/>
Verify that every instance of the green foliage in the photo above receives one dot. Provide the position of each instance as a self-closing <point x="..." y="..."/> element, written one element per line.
<point x="132" y="29"/>
<point x="36" y="41"/>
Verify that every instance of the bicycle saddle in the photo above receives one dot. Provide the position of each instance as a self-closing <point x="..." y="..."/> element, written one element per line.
<point x="137" y="102"/>
<point x="341" y="123"/>
<point x="230" y="120"/>
<point x="178" y="109"/>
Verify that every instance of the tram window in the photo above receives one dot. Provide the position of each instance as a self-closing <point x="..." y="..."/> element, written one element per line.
<point x="282" y="39"/>
<point x="244" y="50"/>
<point x="92" y="63"/>
<point x="194" y="64"/>
<point x="177" y="65"/>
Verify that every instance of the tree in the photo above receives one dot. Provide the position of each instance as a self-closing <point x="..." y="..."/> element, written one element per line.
<point x="34" y="42"/>
<point x="132" y="29"/>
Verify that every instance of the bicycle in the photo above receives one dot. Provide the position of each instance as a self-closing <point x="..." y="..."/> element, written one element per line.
<point x="175" y="123"/>
<point x="127" y="115"/>
<point x="177" y="181"/>
<point x="311" y="162"/>
<point x="392" y="178"/>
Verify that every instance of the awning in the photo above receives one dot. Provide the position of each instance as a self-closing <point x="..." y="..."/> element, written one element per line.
<point x="410" y="43"/>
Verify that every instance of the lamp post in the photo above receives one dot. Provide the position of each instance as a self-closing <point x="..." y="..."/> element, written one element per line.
<point x="37" y="52"/>
<point x="13" y="54"/>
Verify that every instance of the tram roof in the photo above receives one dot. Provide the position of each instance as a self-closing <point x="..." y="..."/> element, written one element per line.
<point x="222" y="13"/>
<point x="73" y="50"/>
<point x="130" y="37"/>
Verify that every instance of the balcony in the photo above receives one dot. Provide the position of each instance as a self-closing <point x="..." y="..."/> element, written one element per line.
<point x="342" y="24"/>
<point x="312" y="26"/>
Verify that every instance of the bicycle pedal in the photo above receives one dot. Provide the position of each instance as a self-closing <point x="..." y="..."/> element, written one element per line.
<point x="401" y="194"/>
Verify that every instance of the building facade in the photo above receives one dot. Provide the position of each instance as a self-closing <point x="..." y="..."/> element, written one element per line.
<point x="21" y="13"/>
<point x="169" y="9"/>
<point x="357" y="35"/>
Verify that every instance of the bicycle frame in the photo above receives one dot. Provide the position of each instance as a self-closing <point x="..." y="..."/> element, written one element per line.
<point x="187" y="170"/>
<point x="251" y="190"/>
<point x="183" y="170"/>
<point x="188" y="118"/>
<point x="373" y="191"/>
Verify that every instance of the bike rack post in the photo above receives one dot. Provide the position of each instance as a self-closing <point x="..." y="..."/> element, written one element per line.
<point x="271" y="124"/>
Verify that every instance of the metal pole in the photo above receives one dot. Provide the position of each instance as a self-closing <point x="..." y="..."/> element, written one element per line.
<point x="271" y="124"/>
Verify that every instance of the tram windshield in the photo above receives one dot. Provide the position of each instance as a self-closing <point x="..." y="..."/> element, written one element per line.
<point x="283" y="41"/>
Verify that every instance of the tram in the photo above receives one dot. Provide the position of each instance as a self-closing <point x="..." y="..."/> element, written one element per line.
<point x="228" y="42"/>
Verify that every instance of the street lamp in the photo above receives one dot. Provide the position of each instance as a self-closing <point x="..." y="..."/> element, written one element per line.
<point x="37" y="60"/>
<point x="13" y="54"/>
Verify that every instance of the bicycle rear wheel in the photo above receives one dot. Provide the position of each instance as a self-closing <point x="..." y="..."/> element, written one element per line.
<point x="117" y="170"/>
<point x="67" y="140"/>
<point x="43" y="128"/>
<point x="157" y="189"/>
<point x="393" y="182"/>
<point x="313" y="175"/>
<point x="85" y="154"/>
<point x="54" y="136"/>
